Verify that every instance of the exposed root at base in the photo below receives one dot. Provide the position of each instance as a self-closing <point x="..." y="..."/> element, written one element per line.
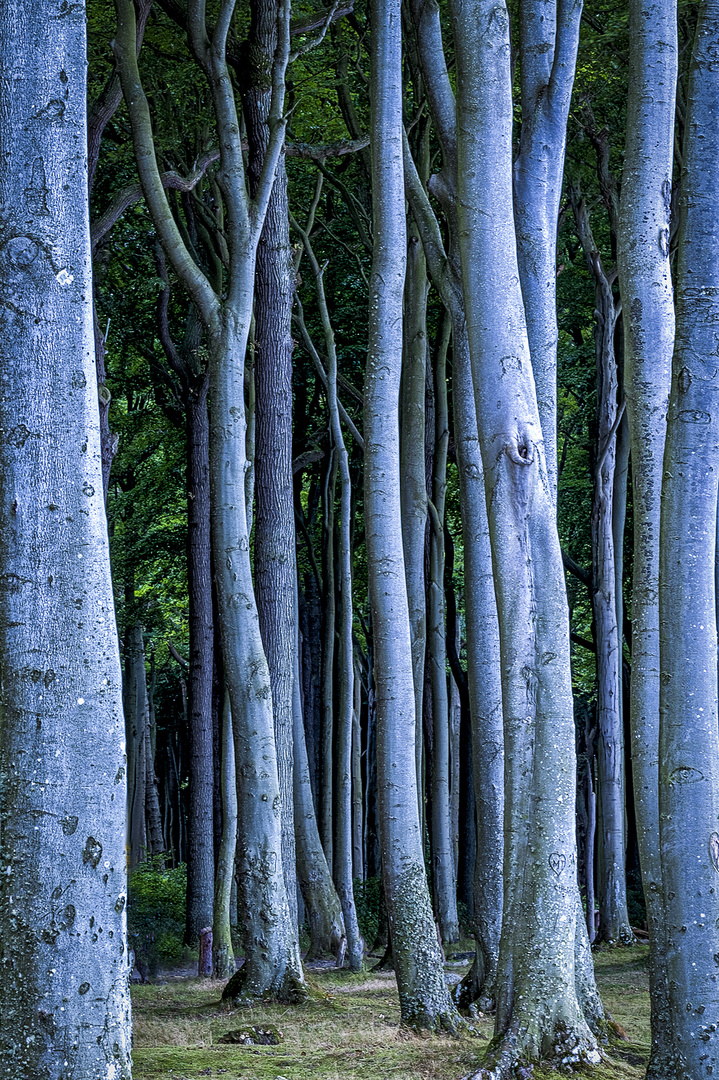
<point x="444" y="1023"/>
<point x="291" y="991"/>
<point x="505" y="1060"/>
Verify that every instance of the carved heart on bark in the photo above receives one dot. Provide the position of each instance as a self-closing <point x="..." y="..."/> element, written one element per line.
<point x="557" y="862"/>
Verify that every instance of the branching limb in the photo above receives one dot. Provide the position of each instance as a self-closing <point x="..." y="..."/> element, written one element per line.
<point x="299" y="320"/>
<point x="132" y="194"/>
<point x="319" y="38"/>
<point x="125" y="50"/>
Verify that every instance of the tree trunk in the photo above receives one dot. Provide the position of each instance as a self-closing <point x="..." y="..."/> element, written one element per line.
<point x="272" y="959"/>
<point x="484" y="682"/>
<point x="66" y="1008"/>
<point x="483" y="659"/>
<point x="223" y="957"/>
<point x="413" y="490"/>
<point x="424" y="999"/>
<point x="200" y="843"/>
<point x="444" y="881"/>
<point x="357" y="801"/>
<point x="645" y="282"/>
<point x="548" y="40"/>
<point x="324" y="911"/>
<point x="275" y="573"/>
<point x="538" y="1011"/>
<point x="136" y="695"/>
<point x="612" y="885"/>
<point x="272" y="966"/>
<point x="328" y="660"/>
<point x="689" y="726"/>
<point x="155" y="842"/>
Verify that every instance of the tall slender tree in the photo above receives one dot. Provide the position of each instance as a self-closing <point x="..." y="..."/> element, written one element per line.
<point x="424" y="998"/>
<point x="689" y="721"/>
<point x="272" y="965"/>
<point x="539" y="1010"/>
<point x="648" y="302"/>
<point x="64" y="989"/>
<point x="274" y="546"/>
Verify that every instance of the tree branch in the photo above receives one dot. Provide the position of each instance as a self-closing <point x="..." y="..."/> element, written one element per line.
<point x="128" y="196"/>
<point x="125" y="50"/>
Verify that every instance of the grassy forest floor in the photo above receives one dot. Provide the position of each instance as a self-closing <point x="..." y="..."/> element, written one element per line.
<point x="349" y="1030"/>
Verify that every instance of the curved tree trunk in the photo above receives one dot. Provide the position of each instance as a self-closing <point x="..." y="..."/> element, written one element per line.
<point x="538" y="1011"/>
<point x="645" y="282"/>
<point x="548" y="40"/>
<point x="328" y="660"/>
<point x="688" y="724"/>
<point x="272" y="966"/>
<point x="64" y="989"/>
<point x="424" y="999"/>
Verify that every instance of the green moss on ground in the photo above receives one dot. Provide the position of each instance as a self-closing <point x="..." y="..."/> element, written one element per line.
<point x="349" y="1030"/>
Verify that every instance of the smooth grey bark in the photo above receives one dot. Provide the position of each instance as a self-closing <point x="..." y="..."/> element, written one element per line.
<point x="539" y="1014"/>
<point x="413" y="489"/>
<point x="274" y="538"/>
<point x="444" y="880"/>
<point x="614" y="925"/>
<point x="424" y="999"/>
<point x="455" y="767"/>
<point x="483" y="656"/>
<point x="66" y="1007"/>
<point x="548" y="41"/>
<point x="357" y="794"/>
<point x="484" y="682"/>
<point x="483" y="661"/>
<point x="328" y="659"/>
<point x="272" y="965"/>
<point x="648" y="312"/>
<point x="688" y="724"/>
<point x="223" y="957"/>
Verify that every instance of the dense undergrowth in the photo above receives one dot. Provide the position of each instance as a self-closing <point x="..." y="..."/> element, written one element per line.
<point x="349" y="1030"/>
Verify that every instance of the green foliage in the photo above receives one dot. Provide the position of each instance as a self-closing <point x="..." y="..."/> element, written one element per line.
<point x="156" y="913"/>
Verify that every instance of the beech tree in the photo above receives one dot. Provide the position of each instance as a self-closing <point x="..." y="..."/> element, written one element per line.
<point x="424" y="998"/>
<point x="688" y="720"/>
<point x="273" y="964"/>
<point x="544" y="1008"/>
<point x="645" y="281"/>
<point x="64" y="986"/>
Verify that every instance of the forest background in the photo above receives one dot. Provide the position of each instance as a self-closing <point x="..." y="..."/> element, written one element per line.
<point x="310" y="762"/>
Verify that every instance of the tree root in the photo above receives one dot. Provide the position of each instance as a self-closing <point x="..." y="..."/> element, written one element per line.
<point x="472" y="993"/>
<point x="508" y="1058"/>
<point x="290" y="990"/>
